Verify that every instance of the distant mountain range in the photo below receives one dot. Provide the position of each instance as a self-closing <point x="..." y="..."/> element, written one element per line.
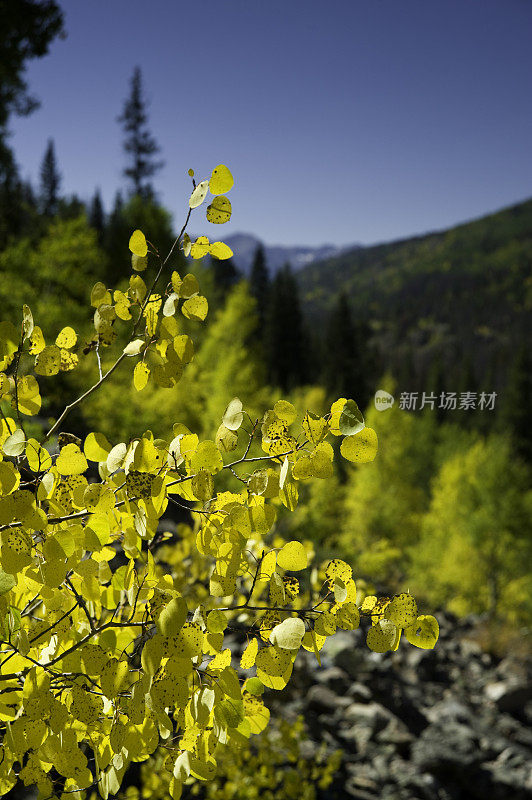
<point x="244" y="246"/>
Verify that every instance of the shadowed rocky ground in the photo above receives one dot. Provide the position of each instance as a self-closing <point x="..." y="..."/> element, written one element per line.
<point x="454" y="723"/>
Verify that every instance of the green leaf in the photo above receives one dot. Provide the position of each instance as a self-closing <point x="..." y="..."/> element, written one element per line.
<point x="254" y="687"/>
<point x="7" y="582"/>
<point x="351" y="419"/>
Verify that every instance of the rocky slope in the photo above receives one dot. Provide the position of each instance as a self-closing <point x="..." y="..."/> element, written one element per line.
<point x="449" y="724"/>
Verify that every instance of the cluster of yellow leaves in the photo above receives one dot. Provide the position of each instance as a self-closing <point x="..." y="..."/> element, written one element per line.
<point x="126" y="654"/>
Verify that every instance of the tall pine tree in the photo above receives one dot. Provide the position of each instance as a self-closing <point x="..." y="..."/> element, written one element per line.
<point x="97" y="215"/>
<point x="225" y="276"/>
<point x="515" y="402"/>
<point x="50" y="181"/>
<point x="345" y="360"/>
<point x="259" y="285"/>
<point x="139" y="145"/>
<point x="286" y="342"/>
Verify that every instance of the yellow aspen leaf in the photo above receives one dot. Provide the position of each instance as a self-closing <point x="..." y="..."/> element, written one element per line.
<point x="189" y="286"/>
<point x="220" y="661"/>
<point x="336" y="568"/>
<point x="71" y="461"/>
<point x="226" y="439"/>
<point x="9" y="476"/>
<point x="69" y="361"/>
<point x="267" y="566"/>
<point x="195" y="308"/>
<point x="139" y="263"/>
<point x="361" y="447"/>
<point x="37" y="342"/>
<point x="48" y="361"/>
<point x="67" y="338"/>
<point x="172" y="617"/>
<point x="423" y="632"/>
<point x="29" y="400"/>
<point x="114" y="676"/>
<point x="138" y="244"/>
<point x="220" y="251"/>
<point x="250" y="653"/>
<point x="285" y="411"/>
<point x="221" y="180"/>
<point x="293" y="557"/>
<point x="97" y="447"/>
<point x="14" y="444"/>
<point x="402" y="610"/>
<point x="27" y="321"/>
<point x="208" y="457"/>
<point x="216" y="621"/>
<point x="137" y="289"/>
<point x="381" y="636"/>
<point x="186" y="245"/>
<point x="141" y="374"/>
<point x="99" y="294"/>
<point x="200" y="247"/>
<point x="351" y="420"/>
<point x="219" y="211"/>
<point x="39" y="459"/>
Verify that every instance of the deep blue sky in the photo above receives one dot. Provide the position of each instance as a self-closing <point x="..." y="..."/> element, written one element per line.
<point x="342" y="120"/>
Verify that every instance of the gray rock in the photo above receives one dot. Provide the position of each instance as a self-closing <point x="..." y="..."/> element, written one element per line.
<point x="509" y="696"/>
<point x="449" y="709"/>
<point x="371" y="715"/>
<point x="446" y="749"/>
<point x="335" y="679"/>
<point x="323" y="700"/>
<point x="395" y="733"/>
<point x="359" y="693"/>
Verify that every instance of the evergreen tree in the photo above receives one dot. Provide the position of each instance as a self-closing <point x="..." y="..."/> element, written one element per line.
<point x="345" y="361"/>
<point x="71" y="207"/>
<point x="259" y="285"/>
<point x="97" y="215"/>
<point x="50" y="181"/>
<point x="28" y="28"/>
<point x="286" y="343"/>
<point x="139" y="144"/>
<point x="225" y="276"/>
<point x="515" y="402"/>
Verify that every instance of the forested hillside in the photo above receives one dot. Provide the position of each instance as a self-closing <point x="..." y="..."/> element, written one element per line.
<point x="456" y="303"/>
